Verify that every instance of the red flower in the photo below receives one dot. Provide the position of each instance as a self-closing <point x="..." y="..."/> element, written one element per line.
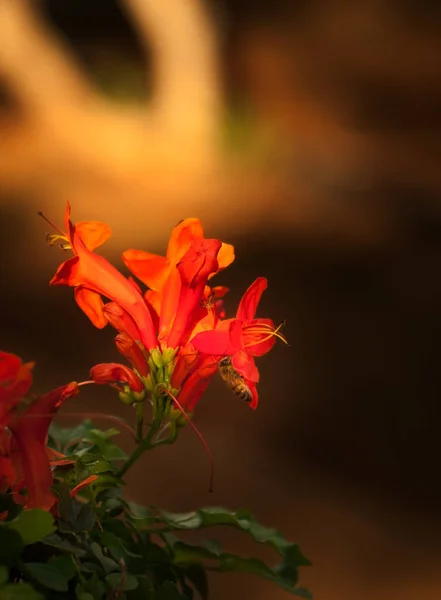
<point x="24" y="453"/>
<point x="114" y="374"/>
<point x="242" y="337"/>
<point x="177" y="281"/>
<point x="92" y="277"/>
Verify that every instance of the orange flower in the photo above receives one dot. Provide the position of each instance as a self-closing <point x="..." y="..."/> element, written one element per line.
<point x="163" y="275"/>
<point x="93" y="276"/>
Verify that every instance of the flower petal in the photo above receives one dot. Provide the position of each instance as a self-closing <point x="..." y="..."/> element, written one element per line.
<point x="121" y="320"/>
<point x="245" y="366"/>
<point x="92" y="305"/>
<point x="181" y="238"/>
<point x="225" y="256"/>
<point x="194" y="268"/>
<point x="93" y="233"/>
<point x="216" y="342"/>
<point x="250" y="300"/>
<point x="149" y="268"/>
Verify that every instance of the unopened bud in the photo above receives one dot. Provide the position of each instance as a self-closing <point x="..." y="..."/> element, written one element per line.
<point x="168" y="355"/>
<point x="149" y="382"/>
<point x="155" y="355"/>
<point x="126" y="398"/>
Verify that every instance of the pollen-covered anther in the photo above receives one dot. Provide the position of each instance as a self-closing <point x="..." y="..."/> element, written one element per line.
<point x="267" y="331"/>
<point x="52" y="239"/>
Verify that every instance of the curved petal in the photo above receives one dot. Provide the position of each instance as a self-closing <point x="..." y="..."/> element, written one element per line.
<point x="194" y="268"/>
<point x="245" y="366"/>
<point x="250" y="300"/>
<point x="255" y="396"/>
<point x="149" y="268"/>
<point x="196" y="383"/>
<point x="92" y="305"/>
<point x="15" y="380"/>
<point x="93" y="233"/>
<point x="67" y="273"/>
<point x="216" y="342"/>
<point x="121" y="320"/>
<point x="130" y="349"/>
<point x="225" y="256"/>
<point x="181" y="238"/>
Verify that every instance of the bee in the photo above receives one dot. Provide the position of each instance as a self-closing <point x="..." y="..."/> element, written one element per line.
<point x="234" y="380"/>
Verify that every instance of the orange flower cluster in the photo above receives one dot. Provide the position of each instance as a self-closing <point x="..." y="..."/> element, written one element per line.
<point x="174" y="334"/>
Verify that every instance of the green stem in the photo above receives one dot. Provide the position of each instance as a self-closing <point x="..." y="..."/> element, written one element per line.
<point x="140" y="421"/>
<point x="144" y="445"/>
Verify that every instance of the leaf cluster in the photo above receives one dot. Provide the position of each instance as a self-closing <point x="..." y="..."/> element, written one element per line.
<point x="94" y="545"/>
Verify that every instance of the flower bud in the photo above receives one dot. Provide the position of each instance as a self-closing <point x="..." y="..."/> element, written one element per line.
<point x="132" y="352"/>
<point x="114" y="374"/>
<point x="168" y="355"/>
<point x="155" y="355"/>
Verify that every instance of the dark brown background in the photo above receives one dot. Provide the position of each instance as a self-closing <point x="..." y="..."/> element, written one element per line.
<point x="331" y="146"/>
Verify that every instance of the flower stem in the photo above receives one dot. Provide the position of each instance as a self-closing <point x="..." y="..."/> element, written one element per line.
<point x="143" y="445"/>
<point x="140" y="421"/>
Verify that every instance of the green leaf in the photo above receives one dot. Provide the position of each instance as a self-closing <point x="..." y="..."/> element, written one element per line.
<point x="65" y="565"/>
<point x="4" y="575"/>
<point x="33" y="525"/>
<point x="22" y="591"/>
<point x="169" y="591"/>
<point x="108" y="564"/>
<point x="116" y="580"/>
<point x="47" y="576"/>
<point x="55" y="541"/>
<point x="11" y="545"/>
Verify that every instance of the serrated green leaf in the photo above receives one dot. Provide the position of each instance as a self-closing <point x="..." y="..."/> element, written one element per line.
<point x="32" y="525"/>
<point x="22" y="591"/>
<point x="47" y="576"/>
<point x="11" y="545"/>
<point x="116" y="580"/>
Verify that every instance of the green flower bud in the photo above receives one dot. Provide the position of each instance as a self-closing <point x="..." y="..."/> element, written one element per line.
<point x="126" y="398"/>
<point x="168" y="355"/>
<point x="149" y="382"/>
<point x="170" y="368"/>
<point x="156" y="357"/>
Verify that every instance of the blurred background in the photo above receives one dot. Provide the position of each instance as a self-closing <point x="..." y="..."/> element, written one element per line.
<point x="306" y="133"/>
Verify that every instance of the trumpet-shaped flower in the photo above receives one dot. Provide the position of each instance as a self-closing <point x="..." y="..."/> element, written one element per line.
<point x="93" y="276"/>
<point x="24" y="462"/>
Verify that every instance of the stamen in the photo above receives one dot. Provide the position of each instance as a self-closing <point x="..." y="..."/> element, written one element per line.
<point x="43" y="216"/>
<point x="266" y="329"/>
<point x="200" y="436"/>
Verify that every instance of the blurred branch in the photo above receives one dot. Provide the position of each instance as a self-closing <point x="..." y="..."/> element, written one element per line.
<point x="35" y="64"/>
<point x="186" y="87"/>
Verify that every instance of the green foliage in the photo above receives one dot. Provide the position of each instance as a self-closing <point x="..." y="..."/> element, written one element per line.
<point x="94" y="545"/>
